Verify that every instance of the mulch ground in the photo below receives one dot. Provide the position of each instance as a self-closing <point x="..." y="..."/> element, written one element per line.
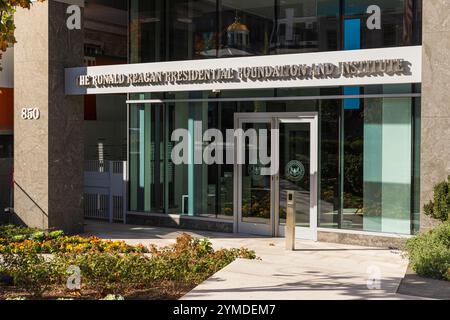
<point x="163" y="291"/>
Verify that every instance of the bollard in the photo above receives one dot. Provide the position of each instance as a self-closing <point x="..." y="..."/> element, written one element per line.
<point x="290" y="221"/>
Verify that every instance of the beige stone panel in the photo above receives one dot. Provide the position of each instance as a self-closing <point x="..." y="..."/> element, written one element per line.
<point x="436" y="75"/>
<point x="435" y="162"/>
<point x="31" y="143"/>
<point x="436" y="15"/>
<point x="32" y="33"/>
<point x="48" y="151"/>
<point x="435" y="116"/>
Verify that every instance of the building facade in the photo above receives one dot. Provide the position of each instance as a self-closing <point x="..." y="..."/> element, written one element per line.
<point x="345" y="92"/>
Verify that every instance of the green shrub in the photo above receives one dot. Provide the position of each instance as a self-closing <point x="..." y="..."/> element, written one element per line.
<point x="30" y="271"/>
<point x="39" y="236"/>
<point x="187" y="262"/>
<point x="19" y="237"/>
<point x="11" y="231"/>
<point x="439" y="208"/>
<point x="56" y="234"/>
<point x="107" y="272"/>
<point x="14" y="233"/>
<point x="429" y="253"/>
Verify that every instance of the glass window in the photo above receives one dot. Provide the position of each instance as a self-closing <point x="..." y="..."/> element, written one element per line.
<point x="368" y="153"/>
<point x="399" y="22"/>
<point x="368" y="160"/>
<point x="192" y="29"/>
<point x="386" y="166"/>
<point x="247" y="27"/>
<point x="146" y="158"/>
<point x="157" y="184"/>
<point x="329" y="184"/>
<point x="307" y="26"/>
<point x="172" y="30"/>
<point x="146" y="31"/>
<point x="197" y="29"/>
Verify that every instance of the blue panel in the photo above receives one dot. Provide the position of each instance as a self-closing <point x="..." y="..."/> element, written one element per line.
<point x="352" y="34"/>
<point x="352" y="41"/>
<point x="351" y="104"/>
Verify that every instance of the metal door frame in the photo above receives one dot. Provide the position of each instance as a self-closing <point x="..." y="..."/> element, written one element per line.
<point x="275" y="119"/>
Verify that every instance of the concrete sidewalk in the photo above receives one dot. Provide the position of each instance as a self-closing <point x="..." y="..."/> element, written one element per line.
<point x="314" y="271"/>
<point x="318" y="271"/>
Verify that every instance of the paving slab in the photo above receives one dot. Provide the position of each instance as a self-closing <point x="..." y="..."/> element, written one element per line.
<point x="315" y="270"/>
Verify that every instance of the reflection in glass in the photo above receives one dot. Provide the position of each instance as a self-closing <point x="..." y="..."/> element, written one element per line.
<point x="367" y="160"/>
<point x="329" y="200"/>
<point x="247" y="27"/>
<point x="197" y="29"/>
<point x="400" y="22"/>
<point x="295" y="146"/>
<point x="256" y="189"/>
<point x="146" y="158"/>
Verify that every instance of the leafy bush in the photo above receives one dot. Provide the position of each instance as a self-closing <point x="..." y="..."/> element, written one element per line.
<point x="107" y="272"/>
<point x="11" y="232"/>
<point x="429" y="253"/>
<point x="186" y="263"/>
<point x="193" y="260"/>
<point x="56" y="234"/>
<point x="439" y="208"/>
<point x="43" y="244"/>
<point x="15" y="233"/>
<point x="30" y="271"/>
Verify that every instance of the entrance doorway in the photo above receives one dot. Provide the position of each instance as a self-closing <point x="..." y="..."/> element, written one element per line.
<point x="260" y="200"/>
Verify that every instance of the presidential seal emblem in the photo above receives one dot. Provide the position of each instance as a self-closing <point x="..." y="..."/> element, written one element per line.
<point x="295" y="170"/>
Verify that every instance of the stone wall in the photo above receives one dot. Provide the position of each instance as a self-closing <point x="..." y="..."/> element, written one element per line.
<point x="48" y="155"/>
<point x="435" y="144"/>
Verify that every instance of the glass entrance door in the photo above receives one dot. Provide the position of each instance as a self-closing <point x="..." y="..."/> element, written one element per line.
<point x="255" y="189"/>
<point x="298" y="173"/>
<point x="260" y="200"/>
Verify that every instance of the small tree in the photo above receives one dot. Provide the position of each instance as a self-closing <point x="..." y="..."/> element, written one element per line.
<point x="7" y="27"/>
<point x="439" y="208"/>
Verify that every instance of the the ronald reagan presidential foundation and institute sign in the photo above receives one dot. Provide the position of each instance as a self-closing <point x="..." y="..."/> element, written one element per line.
<point x="375" y="66"/>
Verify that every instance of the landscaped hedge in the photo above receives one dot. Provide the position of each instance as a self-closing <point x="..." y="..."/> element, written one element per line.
<point x="107" y="267"/>
<point x="17" y="239"/>
<point x="429" y="253"/>
<point x="439" y="207"/>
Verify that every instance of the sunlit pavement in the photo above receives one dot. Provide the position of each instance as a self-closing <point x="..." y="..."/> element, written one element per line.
<point x="315" y="270"/>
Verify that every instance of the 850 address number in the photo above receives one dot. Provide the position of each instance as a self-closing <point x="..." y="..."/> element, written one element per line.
<point x="30" y="114"/>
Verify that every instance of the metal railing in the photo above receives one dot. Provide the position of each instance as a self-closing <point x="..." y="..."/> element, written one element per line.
<point x="105" y="190"/>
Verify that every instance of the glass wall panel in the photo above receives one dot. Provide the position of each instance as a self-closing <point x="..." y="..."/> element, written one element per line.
<point x="147" y="31"/>
<point x="376" y="164"/>
<point x="192" y="29"/>
<point x="247" y="27"/>
<point x="197" y="29"/>
<point x="329" y="163"/>
<point x="192" y="190"/>
<point x="256" y="189"/>
<point x="399" y="23"/>
<point x="368" y="160"/>
<point x="388" y="166"/>
<point x="307" y="26"/>
<point x="146" y="158"/>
